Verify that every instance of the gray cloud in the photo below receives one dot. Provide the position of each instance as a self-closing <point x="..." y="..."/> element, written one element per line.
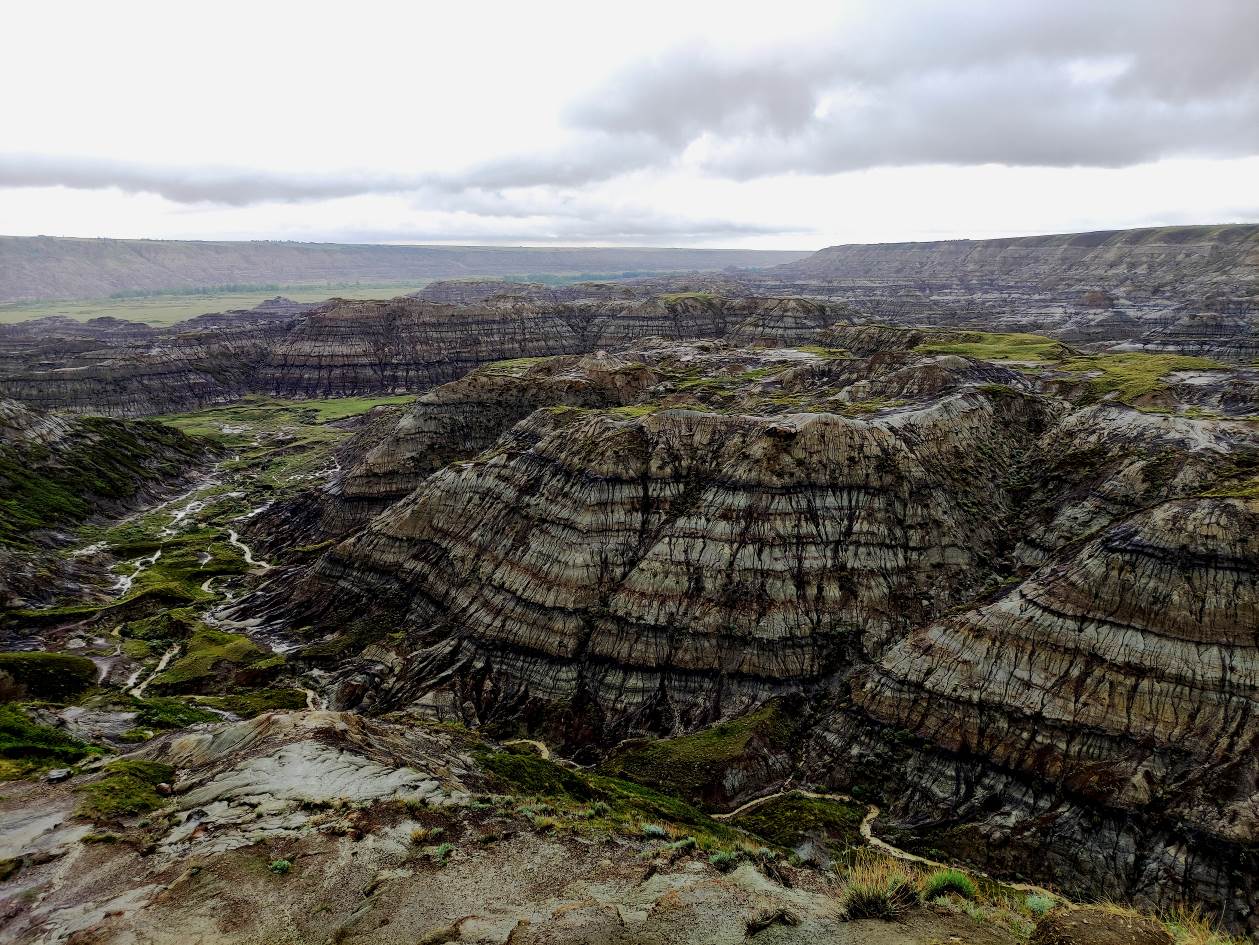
<point x="1018" y="82"/>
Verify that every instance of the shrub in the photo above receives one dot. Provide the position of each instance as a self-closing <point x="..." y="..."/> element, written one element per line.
<point x="724" y="860"/>
<point x="280" y="867"/>
<point x="943" y="882"/>
<point x="421" y="835"/>
<point x="654" y="832"/>
<point x="878" y="889"/>
<point x="442" y="853"/>
<point x="1037" y="904"/>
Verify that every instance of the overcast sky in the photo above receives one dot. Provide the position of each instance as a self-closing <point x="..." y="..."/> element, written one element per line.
<point x="685" y="123"/>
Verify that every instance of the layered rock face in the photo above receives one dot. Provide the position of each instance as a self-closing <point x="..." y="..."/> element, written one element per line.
<point x="460" y="419"/>
<point x="1095" y="725"/>
<point x="681" y="565"/>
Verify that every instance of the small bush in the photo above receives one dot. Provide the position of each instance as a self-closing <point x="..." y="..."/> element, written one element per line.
<point x="1037" y="904"/>
<point x="279" y="867"/>
<point x="421" y="835"/>
<point x="943" y="882"/>
<point x="442" y="853"/>
<point x="878" y="889"/>
<point x="724" y="860"/>
<point x="681" y="846"/>
<point x="654" y="832"/>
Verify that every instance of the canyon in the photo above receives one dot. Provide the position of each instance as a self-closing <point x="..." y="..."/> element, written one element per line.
<point x="621" y="610"/>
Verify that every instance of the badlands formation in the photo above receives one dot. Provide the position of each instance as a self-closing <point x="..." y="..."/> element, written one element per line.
<point x="688" y="608"/>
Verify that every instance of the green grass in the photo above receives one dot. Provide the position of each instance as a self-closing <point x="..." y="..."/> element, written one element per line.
<point x="511" y="366"/>
<point x="1129" y="376"/>
<point x="26" y="747"/>
<point x="128" y="787"/>
<point x="249" y="704"/>
<point x="53" y="677"/>
<point x="943" y="882"/>
<point x="583" y="800"/>
<point x="998" y="346"/>
<point x="102" y="461"/>
<point x="213" y="658"/>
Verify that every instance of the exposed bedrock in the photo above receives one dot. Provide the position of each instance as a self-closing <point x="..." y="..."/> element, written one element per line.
<point x="666" y="569"/>
<point x="462" y="418"/>
<point x="1095" y="725"/>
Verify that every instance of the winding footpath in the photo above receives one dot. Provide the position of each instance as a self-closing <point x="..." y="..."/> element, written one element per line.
<point x="867" y="834"/>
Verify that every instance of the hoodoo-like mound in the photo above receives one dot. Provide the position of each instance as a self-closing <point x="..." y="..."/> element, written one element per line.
<point x="1099" y="717"/>
<point x="679" y="565"/>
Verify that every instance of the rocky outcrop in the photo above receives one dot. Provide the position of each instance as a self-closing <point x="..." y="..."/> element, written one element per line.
<point x="676" y="566"/>
<point x="1094" y="725"/>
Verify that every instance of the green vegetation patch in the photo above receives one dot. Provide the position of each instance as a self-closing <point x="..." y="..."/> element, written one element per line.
<point x="51" y="677"/>
<point x="788" y="821"/>
<point x="165" y="712"/>
<point x="102" y="461"/>
<point x="1129" y="376"/>
<point x="249" y="704"/>
<point x="128" y="787"/>
<point x="597" y="800"/>
<point x="213" y="658"/>
<point x="998" y="346"/>
<point x="944" y="882"/>
<point x="513" y="365"/>
<point x="687" y="764"/>
<point x="27" y="747"/>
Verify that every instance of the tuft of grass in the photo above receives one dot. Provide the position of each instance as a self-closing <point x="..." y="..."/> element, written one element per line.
<point x="878" y="888"/>
<point x="654" y="832"/>
<point x="441" y="853"/>
<point x="943" y="882"/>
<point x="423" y="835"/>
<point x="128" y="787"/>
<point x="1037" y="904"/>
<point x="279" y="867"/>
<point x="1189" y="926"/>
<point x="724" y="860"/>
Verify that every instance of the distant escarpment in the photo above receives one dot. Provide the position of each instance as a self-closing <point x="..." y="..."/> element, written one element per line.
<point x="1211" y="256"/>
<point x="49" y="267"/>
<point x="355" y="347"/>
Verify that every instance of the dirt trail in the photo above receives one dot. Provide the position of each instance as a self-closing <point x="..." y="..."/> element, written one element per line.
<point x="867" y="834"/>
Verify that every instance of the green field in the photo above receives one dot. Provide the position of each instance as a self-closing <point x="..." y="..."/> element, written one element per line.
<point x="161" y="310"/>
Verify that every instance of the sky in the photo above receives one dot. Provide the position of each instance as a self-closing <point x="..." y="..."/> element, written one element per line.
<point x="785" y="125"/>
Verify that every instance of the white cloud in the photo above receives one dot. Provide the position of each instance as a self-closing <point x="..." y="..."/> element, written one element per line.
<point x="658" y="123"/>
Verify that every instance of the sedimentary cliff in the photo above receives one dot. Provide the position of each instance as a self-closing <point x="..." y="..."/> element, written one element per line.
<point x="1147" y="259"/>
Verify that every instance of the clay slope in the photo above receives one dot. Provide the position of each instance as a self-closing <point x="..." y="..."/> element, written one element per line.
<point x="663" y="569"/>
<point x="1094" y="726"/>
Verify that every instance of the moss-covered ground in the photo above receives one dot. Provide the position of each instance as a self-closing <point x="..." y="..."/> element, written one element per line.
<point x="128" y="787"/>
